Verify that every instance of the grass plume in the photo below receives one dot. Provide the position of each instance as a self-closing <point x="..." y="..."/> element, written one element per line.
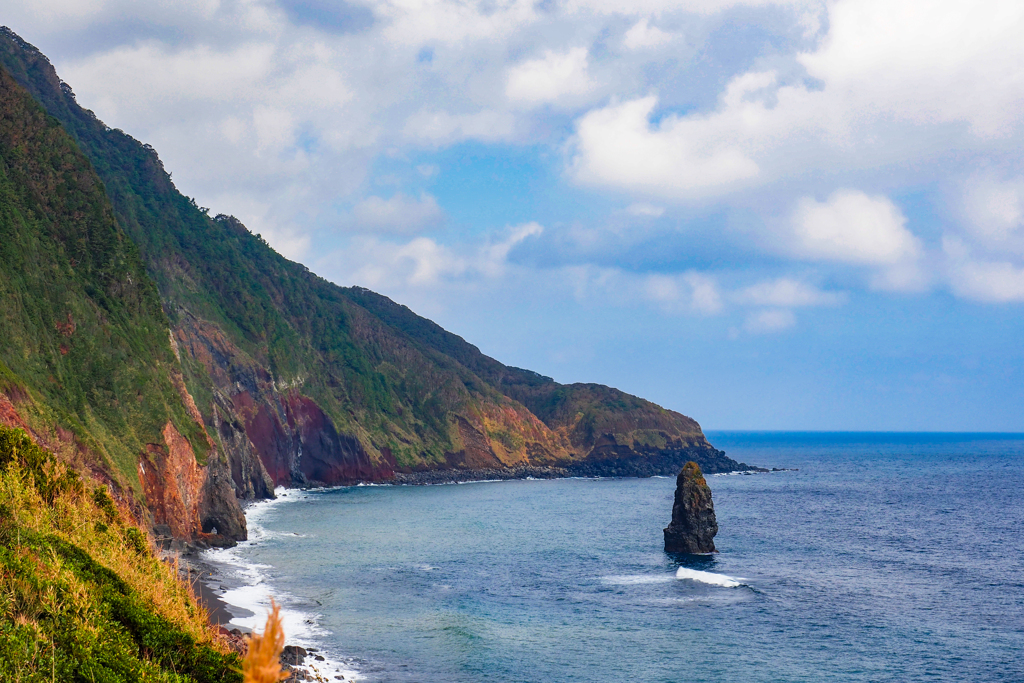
<point x="262" y="663"/>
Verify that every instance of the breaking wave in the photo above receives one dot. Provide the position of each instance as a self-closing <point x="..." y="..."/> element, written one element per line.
<point x="708" y="577"/>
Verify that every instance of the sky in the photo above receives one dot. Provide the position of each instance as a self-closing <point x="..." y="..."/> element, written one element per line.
<point x="791" y="214"/>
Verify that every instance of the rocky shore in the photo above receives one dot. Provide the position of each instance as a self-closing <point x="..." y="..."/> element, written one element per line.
<point x="455" y="476"/>
<point x="206" y="582"/>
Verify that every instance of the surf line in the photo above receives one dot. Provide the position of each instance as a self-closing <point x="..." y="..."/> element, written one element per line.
<point x="252" y="593"/>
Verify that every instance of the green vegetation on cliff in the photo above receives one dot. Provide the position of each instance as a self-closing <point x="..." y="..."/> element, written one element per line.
<point x="83" y="338"/>
<point x="82" y="598"/>
<point x="274" y="312"/>
<point x="583" y="411"/>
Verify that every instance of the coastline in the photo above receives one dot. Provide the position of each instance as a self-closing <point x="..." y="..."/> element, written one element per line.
<point x="665" y="463"/>
<point x="210" y="578"/>
<point x="237" y="591"/>
<point x="207" y="582"/>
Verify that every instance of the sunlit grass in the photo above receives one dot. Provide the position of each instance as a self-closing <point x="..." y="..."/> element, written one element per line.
<point x="82" y="594"/>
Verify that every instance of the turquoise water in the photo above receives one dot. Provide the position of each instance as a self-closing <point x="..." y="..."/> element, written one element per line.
<point x="885" y="557"/>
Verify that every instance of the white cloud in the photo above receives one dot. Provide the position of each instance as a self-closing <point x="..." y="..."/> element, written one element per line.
<point x="679" y="157"/>
<point x="852" y="227"/>
<point x="423" y="263"/>
<point x="645" y="210"/>
<point x="554" y="78"/>
<point x="400" y="213"/>
<point x="989" y="281"/>
<point x="291" y="241"/>
<point x="460" y="23"/>
<point x="705" y="297"/>
<point x="689" y="292"/>
<point x="954" y="61"/>
<point x="908" y="277"/>
<point x="769" y="321"/>
<point x="274" y="128"/>
<point x="437" y="128"/>
<point x="775" y="300"/>
<point x="493" y="257"/>
<point x="786" y="293"/>
<point x="642" y="35"/>
<point x="428" y="171"/>
<point x="992" y="282"/>
<point x="891" y="83"/>
<point x="656" y="7"/>
<point x="994" y="211"/>
<point x="175" y="78"/>
<point x="451" y="22"/>
<point x="420" y="262"/>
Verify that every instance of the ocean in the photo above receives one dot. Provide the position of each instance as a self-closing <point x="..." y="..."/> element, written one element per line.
<point x="885" y="557"/>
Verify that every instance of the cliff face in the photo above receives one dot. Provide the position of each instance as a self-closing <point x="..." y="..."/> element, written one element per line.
<point x="86" y="365"/>
<point x="693" y="525"/>
<point x="274" y="376"/>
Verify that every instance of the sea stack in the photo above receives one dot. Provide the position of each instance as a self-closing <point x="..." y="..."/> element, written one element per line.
<point x="693" y="526"/>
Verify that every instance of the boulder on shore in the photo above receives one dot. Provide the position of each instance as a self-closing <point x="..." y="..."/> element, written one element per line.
<point x="693" y="526"/>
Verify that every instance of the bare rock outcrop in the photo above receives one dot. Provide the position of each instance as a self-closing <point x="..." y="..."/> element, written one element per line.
<point x="186" y="499"/>
<point x="693" y="526"/>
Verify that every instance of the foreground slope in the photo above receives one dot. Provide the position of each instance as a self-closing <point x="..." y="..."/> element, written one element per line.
<point x="82" y="596"/>
<point x="301" y="381"/>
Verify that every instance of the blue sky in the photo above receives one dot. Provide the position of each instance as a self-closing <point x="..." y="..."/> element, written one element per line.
<point x="766" y="214"/>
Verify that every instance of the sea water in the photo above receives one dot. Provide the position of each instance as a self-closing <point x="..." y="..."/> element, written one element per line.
<point x="886" y="557"/>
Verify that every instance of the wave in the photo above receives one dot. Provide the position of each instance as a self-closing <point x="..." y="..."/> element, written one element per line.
<point x="708" y="578"/>
<point x="255" y="591"/>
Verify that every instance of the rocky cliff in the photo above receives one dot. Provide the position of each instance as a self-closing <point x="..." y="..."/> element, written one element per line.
<point x="693" y="526"/>
<point x="274" y="376"/>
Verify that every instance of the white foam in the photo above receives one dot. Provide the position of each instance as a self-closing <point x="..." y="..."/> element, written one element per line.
<point x="254" y="595"/>
<point x="636" y="579"/>
<point x="708" y="578"/>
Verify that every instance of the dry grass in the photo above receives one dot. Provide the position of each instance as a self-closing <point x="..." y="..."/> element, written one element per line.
<point x="75" y="518"/>
<point x="262" y="664"/>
